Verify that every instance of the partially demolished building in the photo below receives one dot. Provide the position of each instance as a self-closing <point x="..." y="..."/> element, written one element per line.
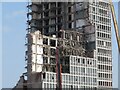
<point x="81" y="31"/>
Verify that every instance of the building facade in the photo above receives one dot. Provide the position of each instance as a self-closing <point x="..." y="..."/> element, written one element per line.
<point x="79" y="68"/>
<point x="82" y="31"/>
<point x="100" y="14"/>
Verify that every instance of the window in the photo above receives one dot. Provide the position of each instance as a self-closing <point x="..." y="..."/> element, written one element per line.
<point x="69" y="25"/>
<point x="78" y="60"/>
<point x="45" y="41"/>
<point x="52" y="51"/>
<point x="53" y="43"/>
<point x="98" y="34"/>
<point x="69" y="9"/>
<point x="52" y="29"/>
<point x="44" y="75"/>
<point x="94" y="80"/>
<point x="104" y="51"/>
<point x="88" y="62"/>
<point x="82" y="79"/>
<point x="93" y="17"/>
<point x="82" y="70"/>
<point x="52" y="61"/>
<point x="83" y="61"/>
<point x="108" y="44"/>
<point x="45" y="59"/>
<point x="100" y="75"/>
<point x="45" y="50"/>
<point x="67" y="36"/>
<point x="93" y="8"/>
<point x="100" y="83"/>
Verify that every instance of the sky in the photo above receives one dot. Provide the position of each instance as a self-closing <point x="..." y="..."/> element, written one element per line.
<point x="0" y="44"/>
<point x="115" y="51"/>
<point x="13" y="43"/>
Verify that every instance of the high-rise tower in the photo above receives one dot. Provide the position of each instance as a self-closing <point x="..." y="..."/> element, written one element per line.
<point x="100" y="15"/>
<point x="82" y="32"/>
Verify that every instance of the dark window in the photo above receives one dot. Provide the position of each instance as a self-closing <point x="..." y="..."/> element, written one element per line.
<point x="69" y="9"/>
<point x="45" y="50"/>
<point x="43" y="75"/>
<point x="52" y="51"/>
<point x="52" y="61"/>
<point x="45" y="41"/>
<point x="78" y="60"/>
<point x="83" y="61"/>
<point x="70" y="18"/>
<point x="52" y="43"/>
<point x="69" y="25"/>
<point x="45" y="59"/>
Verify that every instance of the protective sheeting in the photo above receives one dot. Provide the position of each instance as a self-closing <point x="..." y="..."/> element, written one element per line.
<point x="81" y="23"/>
<point x="81" y="5"/>
<point x="81" y="14"/>
<point x="90" y="33"/>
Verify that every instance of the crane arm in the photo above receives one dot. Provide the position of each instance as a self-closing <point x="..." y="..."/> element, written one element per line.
<point x="115" y="24"/>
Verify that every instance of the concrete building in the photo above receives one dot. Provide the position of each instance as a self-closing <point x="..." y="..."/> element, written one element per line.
<point x="82" y="31"/>
<point x="100" y="14"/>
